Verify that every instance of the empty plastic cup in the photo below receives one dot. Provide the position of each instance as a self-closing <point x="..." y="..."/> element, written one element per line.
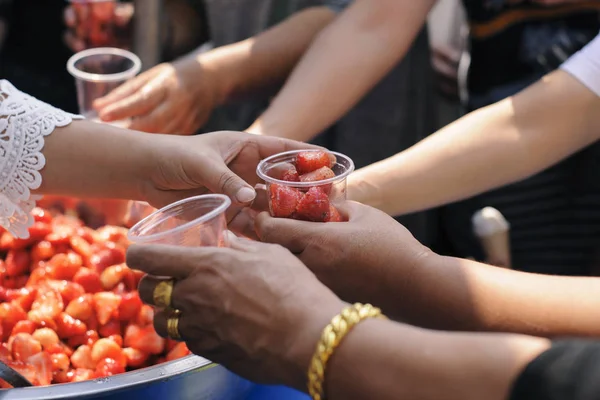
<point x="97" y="72"/>
<point x="192" y="222"/>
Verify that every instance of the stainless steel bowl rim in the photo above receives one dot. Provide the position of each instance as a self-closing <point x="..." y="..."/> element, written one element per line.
<point x="98" y="386"/>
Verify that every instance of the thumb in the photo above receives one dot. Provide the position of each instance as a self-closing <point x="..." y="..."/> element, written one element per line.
<point x="239" y="243"/>
<point x="220" y="179"/>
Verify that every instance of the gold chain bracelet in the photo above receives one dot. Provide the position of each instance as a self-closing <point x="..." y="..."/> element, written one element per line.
<point x="331" y="337"/>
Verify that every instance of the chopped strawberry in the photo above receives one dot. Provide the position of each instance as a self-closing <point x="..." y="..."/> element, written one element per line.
<point x="318" y="175"/>
<point x="309" y="161"/>
<point x="334" y="215"/>
<point x="24" y="297"/>
<point x="112" y="327"/>
<point x="42" y="251"/>
<point x="145" y="339"/>
<point x="180" y="350"/>
<point x="81" y="247"/>
<point x="118" y="339"/>
<point x="27" y="370"/>
<point x="17" y="262"/>
<point x="107" y="257"/>
<point x="145" y="315"/>
<point x="130" y="306"/>
<point x="314" y="206"/>
<point x="66" y="265"/>
<point x="107" y="348"/>
<point x="83" y="374"/>
<point x="60" y="362"/>
<point x="106" y="305"/>
<point x="47" y="337"/>
<point x="41" y="215"/>
<point x="10" y="314"/>
<point x="23" y="326"/>
<point x="109" y="367"/>
<point x="88" y="338"/>
<point x="60" y="347"/>
<point x="290" y="175"/>
<point x="68" y="326"/>
<point x="23" y="346"/>
<point x="284" y="200"/>
<point x="81" y="308"/>
<point x="135" y="358"/>
<point x="82" y="357"/>
<point x="89" y="280"/>
<point x="112" y="275"/>
<point x="42" y="362"/>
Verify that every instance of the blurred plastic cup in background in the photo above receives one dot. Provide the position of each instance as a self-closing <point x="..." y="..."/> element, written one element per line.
<point x="192" y="222"/>
<point x="97" y="72"/>
<point x="94" y="21"/>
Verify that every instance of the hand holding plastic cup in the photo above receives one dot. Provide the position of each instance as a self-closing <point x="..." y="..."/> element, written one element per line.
<point x="97" y="72"/>
<point x="192" y="222"/>
<point x="306" y="184"/>
<point x="94" y="21"/>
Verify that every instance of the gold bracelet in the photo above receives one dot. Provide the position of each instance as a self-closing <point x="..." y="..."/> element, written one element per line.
<point x="331" y="337"/>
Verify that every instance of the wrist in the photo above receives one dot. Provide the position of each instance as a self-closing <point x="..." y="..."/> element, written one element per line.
<point x="362" y="190"/>
<point x="304" y="339"/>
<point x="217" y="68"/>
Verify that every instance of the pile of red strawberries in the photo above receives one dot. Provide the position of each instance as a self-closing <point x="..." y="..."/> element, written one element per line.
<point x="305" y="203"/>
<point x="69" y="306"/>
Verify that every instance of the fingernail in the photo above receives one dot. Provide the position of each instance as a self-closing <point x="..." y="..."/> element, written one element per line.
<point x="245" y="195"/>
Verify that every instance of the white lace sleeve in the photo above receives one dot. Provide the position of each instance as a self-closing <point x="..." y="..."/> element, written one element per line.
<point x="24" y="121"/>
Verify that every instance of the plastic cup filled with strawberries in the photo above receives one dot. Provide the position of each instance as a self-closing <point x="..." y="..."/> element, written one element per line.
<point x="69" y="306"/>
<point x="306" y="184"/>
<point x="95" y="21"/>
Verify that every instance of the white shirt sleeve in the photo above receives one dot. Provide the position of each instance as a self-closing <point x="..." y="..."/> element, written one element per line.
<point x="585" y="65"/>
<point x="24" y="122"/>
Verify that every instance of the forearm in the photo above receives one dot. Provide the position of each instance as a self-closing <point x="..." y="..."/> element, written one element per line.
<point x="262" y="62"/>
<point x="497" y="145"/>
<point x="471" y="296"/>
<point x="345" y="61"/>
<point x="87" y="159"/>
<point x="386" y="360"/>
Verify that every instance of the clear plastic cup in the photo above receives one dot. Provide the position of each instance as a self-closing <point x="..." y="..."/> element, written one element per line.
<point x="94" y="21"/>
<point x="192" y="222"/>
<point x="292" y="199"/>
<point x="97" y="72"/>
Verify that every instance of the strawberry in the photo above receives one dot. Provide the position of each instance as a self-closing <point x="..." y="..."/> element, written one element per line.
<point x="17" y="262"/>
<point x="107" y="348"/>
<point x="23" y="326"/>
<point x="309" y="161"/>
<point x="82" y="357"/>
<point x="130" y="306"/>
<point x="23" y="346"/>
<point x="60" y="362"/>
<point x="106" y="304"/>
<point x="135" y="358"/>
<point x="66" y="265"/>
<point x="334" y="215"/>
<point x="89" y="280"/>
<point x="109" y="367"/>
<point x="118" y="339"/>
<point x="145" y="339"/>
<point x="47" y="337"/>
<point x="81" y="308"/>
<point x="42" y="362"/>
<point x="82" y="374"/>
<point x="180" y="350"/>
<point x="112" y="327"/>
<point x="41" y="215"/>
<point x="107" y="257"/>
<point x="24" y="297"/>
<point x="68" y="326"/>
<point x="42" y="251"/>
<point x="88" y="338"/>
<point x="290" y="175"/>
<point x="112" y="275"/>
<point x="145" y="315"/>
<point x="318" y="175"/>
<point x="284" y="200"/>
<point x="314" y="206"/>
<point x="10" y="314"/>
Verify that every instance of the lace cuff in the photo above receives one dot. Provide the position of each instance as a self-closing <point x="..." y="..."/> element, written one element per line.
<point x="24" y="121"/>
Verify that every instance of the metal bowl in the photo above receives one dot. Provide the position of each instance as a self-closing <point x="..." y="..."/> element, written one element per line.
<point x="189" y="378"/>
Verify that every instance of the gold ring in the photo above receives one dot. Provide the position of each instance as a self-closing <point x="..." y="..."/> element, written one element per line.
<point x="162" y="294"/>
<point x="173" y="325"/>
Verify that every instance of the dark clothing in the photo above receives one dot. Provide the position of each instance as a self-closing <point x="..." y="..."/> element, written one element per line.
<point x="554" y="216"/>
<point x="569" y="370"/>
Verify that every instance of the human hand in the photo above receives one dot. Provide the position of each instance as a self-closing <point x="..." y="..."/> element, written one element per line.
<point x="173" y="98"/>
<point x="220" y="162"/>
<point x="370" y="258"/>
<point x="98" y="24"/>
<point x="253" y="308"/>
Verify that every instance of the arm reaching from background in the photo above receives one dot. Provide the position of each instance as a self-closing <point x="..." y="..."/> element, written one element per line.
<point x="346" y="60"/>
